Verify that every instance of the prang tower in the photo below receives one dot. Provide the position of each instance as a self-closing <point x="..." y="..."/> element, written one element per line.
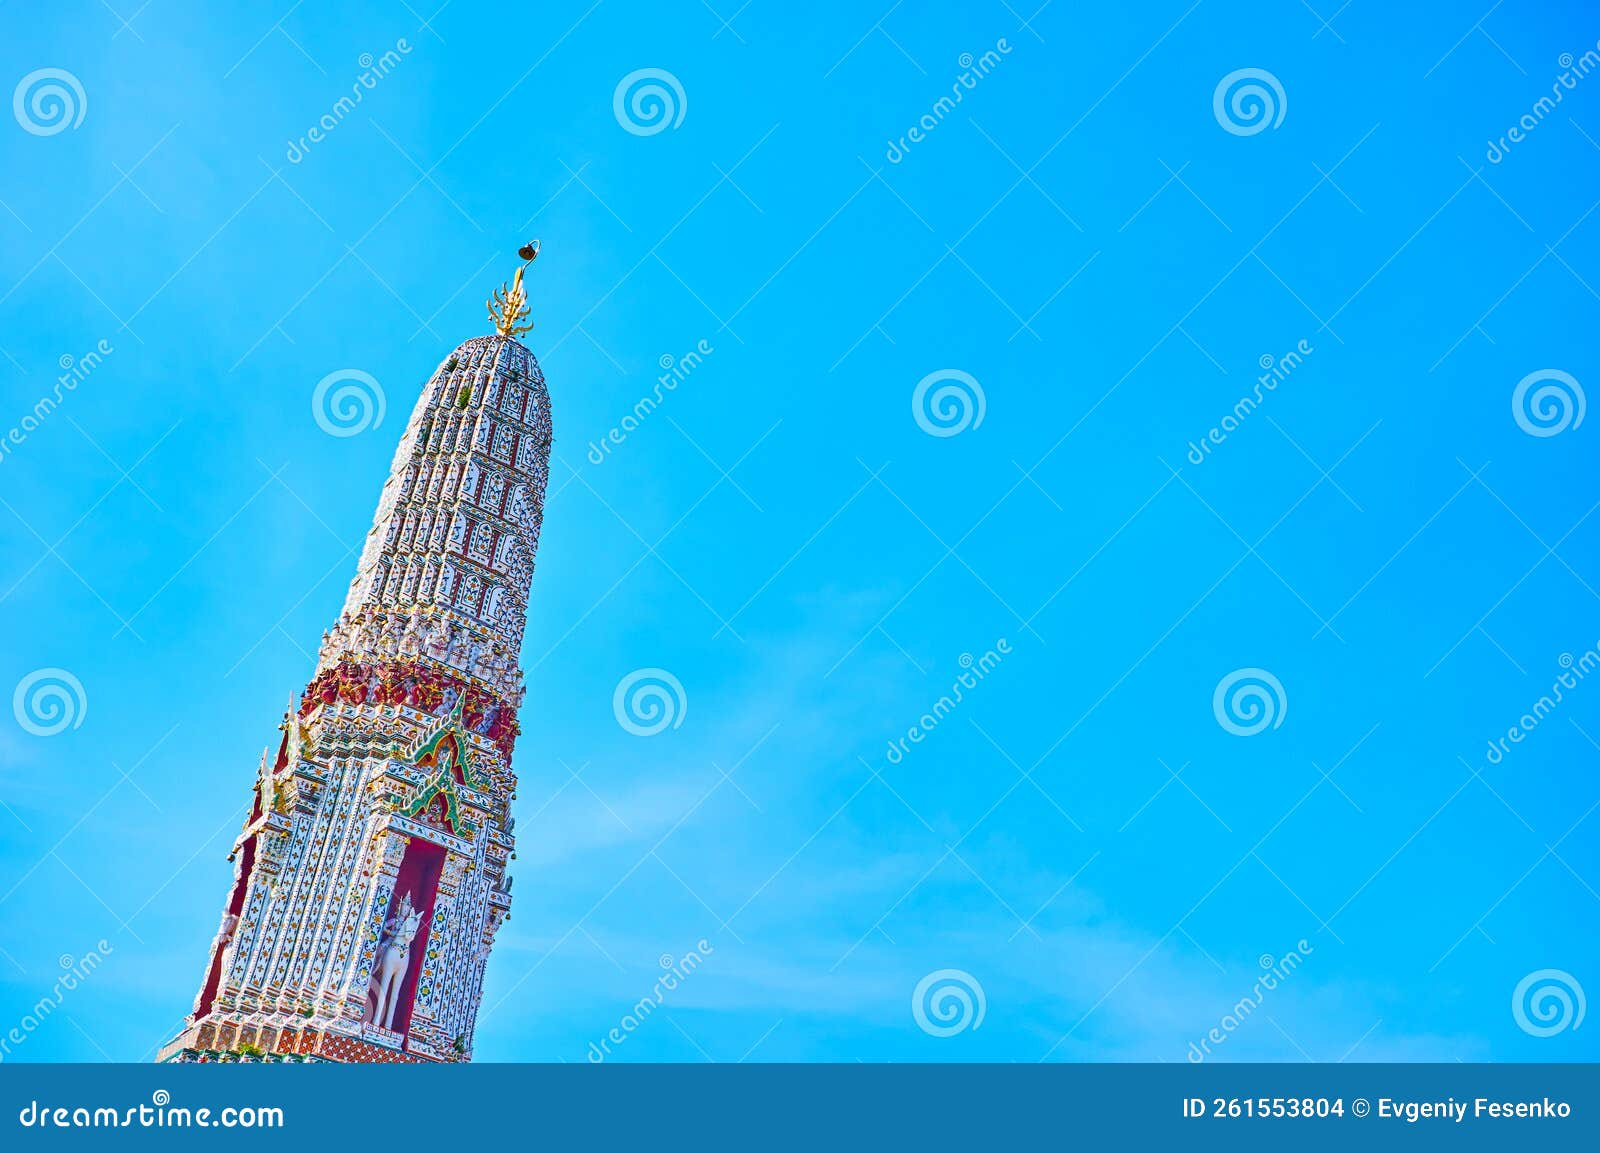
<point x="370" y="877"/>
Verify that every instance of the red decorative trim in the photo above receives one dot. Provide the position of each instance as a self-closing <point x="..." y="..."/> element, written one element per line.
<point x="208" y="993"/>
<point x="419" y="686"/>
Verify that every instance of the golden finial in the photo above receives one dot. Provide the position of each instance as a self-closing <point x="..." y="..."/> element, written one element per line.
<point x="508" y="307"/>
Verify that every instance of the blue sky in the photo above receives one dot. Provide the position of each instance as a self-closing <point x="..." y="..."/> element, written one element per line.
<point x="1084" y="238"/>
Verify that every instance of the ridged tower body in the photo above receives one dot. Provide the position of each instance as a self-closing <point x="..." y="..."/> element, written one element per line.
<point x="370" y="877"/>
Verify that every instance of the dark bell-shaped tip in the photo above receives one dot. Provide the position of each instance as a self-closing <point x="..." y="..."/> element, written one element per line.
<point x="529" y="251"/>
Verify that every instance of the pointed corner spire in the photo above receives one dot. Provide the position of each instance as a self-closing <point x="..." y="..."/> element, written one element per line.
<point x="508" y="306"/>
